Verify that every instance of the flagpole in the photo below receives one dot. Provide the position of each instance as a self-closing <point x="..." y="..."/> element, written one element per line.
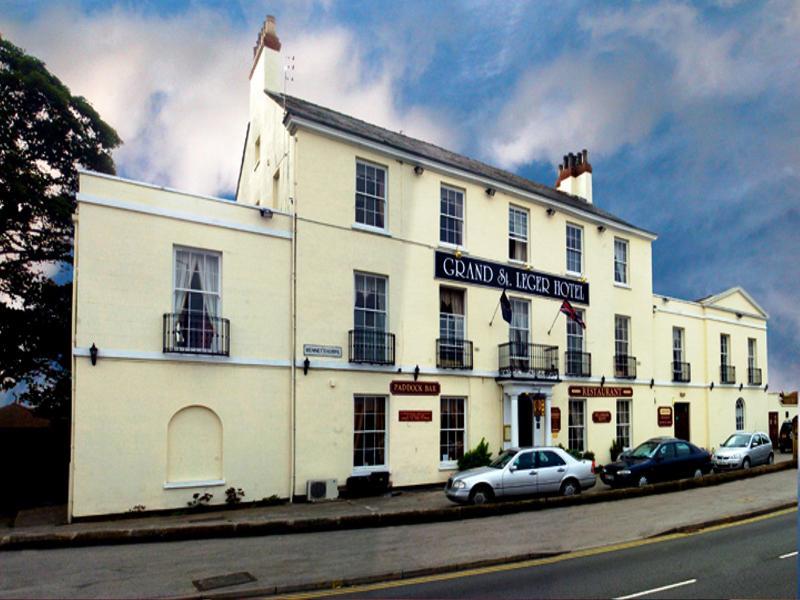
<point x="554" y="321"/>
<point x="495" y="313"/>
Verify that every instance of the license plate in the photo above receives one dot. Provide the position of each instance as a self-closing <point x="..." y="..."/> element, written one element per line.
<point x="610" y="477"/>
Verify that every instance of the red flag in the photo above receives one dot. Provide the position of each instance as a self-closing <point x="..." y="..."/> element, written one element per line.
<point x="567" y="309"/>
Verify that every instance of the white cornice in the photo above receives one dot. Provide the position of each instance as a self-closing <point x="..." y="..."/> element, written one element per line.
<point x="713" y="318"/>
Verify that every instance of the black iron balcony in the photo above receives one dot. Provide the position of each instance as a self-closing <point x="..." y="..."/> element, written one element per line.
<point x="624" y="366"/>
<point x="681" y="372"/>
<point x="528" y="361"/>
<point x="453" y="354"/>
<point x="371" y="347"/>
<point x="577" y="364"/>
<point x="195" y="332"/>
<point x="754" y="376"/>
<point x="727" y="374"/>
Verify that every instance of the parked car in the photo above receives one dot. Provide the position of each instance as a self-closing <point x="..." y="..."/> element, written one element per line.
<point x="743" y="450"/>
<point x="785" y="436"/>
<point x="657" y="459"/>
<point x="522" y="471"/>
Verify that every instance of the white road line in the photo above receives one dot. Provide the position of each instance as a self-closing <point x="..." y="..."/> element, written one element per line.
<point x="659" y="589"/>
<point x="791" y="554"/>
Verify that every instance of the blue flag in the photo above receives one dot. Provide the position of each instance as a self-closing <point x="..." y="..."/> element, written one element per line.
<point x="505" y="307"/>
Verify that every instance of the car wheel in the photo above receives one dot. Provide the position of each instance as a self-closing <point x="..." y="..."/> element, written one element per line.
<point x="643" y="481"/>
<point x="570" y="488"/>
<point x="698" y="473"/>
<point x="770" y="458"/>
<point x="481" y="495"/>
<point x="746" y="463"/>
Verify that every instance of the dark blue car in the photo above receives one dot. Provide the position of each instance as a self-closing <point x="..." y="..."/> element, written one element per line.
<point x="657" y="459"/>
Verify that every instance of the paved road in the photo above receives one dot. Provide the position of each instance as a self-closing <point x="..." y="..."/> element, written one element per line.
<point x="739" y="561"/>
<point x="284" y="560"/>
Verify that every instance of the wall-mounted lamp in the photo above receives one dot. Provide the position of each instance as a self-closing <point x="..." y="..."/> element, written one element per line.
<point x="740" y="386"/>
<point x="652" y="382"/>
<point x="711" y="387"/>
<point x="738" y="315"/>
<point x="416" y="372"/>
<point x="601" y="228"/>
<point x="766" y="387"/>
<point x="418" y="170"/>
<point x="265" y="212"/>
<point x="664" y="299"/>
<point x="551" y="212"/>
<point x="306" y="365"/>
<point x="490" y="192"/>
<point x="458" y="253"/>
<point x="93" y="354"/>
<point x="602" y="381"/>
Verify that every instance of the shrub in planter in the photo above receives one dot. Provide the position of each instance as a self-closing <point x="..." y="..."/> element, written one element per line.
<point x="615" y="450"/>
<point x="479" y="456"/>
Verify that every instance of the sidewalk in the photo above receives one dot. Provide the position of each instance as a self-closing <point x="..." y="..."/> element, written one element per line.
<point x="406" y="507"/>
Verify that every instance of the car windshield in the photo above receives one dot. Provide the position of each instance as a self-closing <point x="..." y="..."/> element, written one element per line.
<point x="737" y="440"/>
<point x="503" y="459"/>
<point x="645" y="450"/>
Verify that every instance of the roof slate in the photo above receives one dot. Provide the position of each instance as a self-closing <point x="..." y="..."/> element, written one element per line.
<point x="336" y="120"/>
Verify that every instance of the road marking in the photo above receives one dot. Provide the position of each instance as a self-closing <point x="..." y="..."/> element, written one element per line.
<point x="658" y="589"/>
<point x="385" y="585"/>
<point x="791" y="554"/>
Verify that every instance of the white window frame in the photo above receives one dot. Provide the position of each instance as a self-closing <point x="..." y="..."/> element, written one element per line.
<point x="752" y="354"/>
<point x="724" y="349"/>
<point x="677" y="344"/>
<point x="512" y="328"/>
<point x="456" y="318"/>
<point x="575" y="332"/>
<point x="623" y="243"/>
<point x="739" y="414"/>
<point x="356" y="275"/>
<point x="205" y="252"/>
<point x="357" y="470"/>
<point x="574" y="249"/>
<point x="619" y="341"/>
<point x="462" y="219"/>
<point x="514" y="235"/>
<point x="452" y="463"/>
<point x="624" y="425"/>
<point x="571" y="427"/>
<point x="385" y="200"/>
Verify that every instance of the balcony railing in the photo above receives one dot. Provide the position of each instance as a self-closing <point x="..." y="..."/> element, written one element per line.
<point x="195" y="332"/>
<point x="754" y="376"/>
<point x="577" y="364"/>
<point x="528" y="361"/>
<point x="624" y="366"/>
<point x="371" y="347"/>
<point x="727" y="374"/>
<point x="453" y="354"/>
<point x="681" y="372"/>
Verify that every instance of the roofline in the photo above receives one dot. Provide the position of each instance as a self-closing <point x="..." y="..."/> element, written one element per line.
<point x="241" y="163"/>
<point x="764" y="317"/>
<point x="716" y="297"/>
<point x="162" y="188"/>
<point x="294" y="120"/>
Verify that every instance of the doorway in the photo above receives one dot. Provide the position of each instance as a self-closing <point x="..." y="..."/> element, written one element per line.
<point x="682" y="420"/>
<point x="773" y="428"/>
<point x="525" y="420"/>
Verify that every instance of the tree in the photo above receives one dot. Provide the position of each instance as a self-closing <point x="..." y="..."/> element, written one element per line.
<point x="46" y="133"/>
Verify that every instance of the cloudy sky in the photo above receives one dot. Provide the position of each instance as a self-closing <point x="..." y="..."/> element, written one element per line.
<point x="690" y="112"/>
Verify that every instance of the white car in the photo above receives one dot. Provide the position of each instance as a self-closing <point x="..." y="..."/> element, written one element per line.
<point x="522" y="471"/>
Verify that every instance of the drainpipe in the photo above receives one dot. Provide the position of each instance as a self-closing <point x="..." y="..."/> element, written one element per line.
<point x="73" y="361"/>
<point x="293" y="286"/>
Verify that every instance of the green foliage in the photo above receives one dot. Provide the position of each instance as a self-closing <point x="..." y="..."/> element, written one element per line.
<point x="199" y="500"/>
<point x="234" y="495"/>
<point x="46" y="134"/>
<point x="615" y="450"/>
<point x="480" y="456"/>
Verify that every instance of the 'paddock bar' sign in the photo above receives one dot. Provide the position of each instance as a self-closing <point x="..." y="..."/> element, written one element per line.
<point x="481" y="272"/>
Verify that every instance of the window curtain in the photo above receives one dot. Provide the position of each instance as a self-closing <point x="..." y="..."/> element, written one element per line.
<point x="183" y="278"/>
<point x="208" y="271"/>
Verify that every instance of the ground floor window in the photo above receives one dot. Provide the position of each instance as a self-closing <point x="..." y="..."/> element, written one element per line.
<point x="624" y="423"/>
<point x="369" y="431"/>
<point x="577" y="425"/>
<point x="740" y="414"/>
<point x="452" y="429"/>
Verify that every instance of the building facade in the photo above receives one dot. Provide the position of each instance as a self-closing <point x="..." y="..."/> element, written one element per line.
<point x="343" y="316"/>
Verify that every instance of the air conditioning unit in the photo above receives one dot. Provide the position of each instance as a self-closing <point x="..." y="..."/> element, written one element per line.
<point x="321" y="489"/>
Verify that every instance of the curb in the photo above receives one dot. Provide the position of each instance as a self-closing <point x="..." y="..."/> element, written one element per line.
<point x="341" y="584"/>
<point x="127" y="535"/>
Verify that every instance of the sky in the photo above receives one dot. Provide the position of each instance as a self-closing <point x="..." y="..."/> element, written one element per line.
<point x="689" y="111"/>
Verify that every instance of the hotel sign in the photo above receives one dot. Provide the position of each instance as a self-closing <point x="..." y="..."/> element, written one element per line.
<point x="502" y="276"/>
<point x="601" y="416"/>
<point x="596" y="391"/>
<point x="415" y="388"/>
<point x="665" y="416"/>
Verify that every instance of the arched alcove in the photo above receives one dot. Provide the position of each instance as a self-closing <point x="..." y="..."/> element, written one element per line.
<point x="194" y="445"/>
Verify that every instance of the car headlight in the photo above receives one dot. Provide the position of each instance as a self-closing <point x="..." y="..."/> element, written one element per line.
<point x="624" y="472"/>
<point x="459" y="485"/>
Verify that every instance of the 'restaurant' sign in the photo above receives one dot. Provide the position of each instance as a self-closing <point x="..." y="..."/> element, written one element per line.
<point x="415" y="388"/>
<point x="665" y="416"/>
<point x="596" y="391"/>
<point x="601" y="416"/>
<point x="416" y="416"/>
<point x="501" y="276"/>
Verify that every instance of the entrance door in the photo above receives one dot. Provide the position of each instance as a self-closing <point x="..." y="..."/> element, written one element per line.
<point x="525" y="420"/>
<point x="682" y="420"/>
<point x="773" y="428"/>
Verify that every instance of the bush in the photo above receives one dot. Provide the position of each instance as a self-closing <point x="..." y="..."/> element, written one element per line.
<point x="615" y="450"/>
<point x="477" y="457"/>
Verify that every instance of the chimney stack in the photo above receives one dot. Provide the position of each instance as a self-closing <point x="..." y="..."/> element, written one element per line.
<point x="575" y="175"/>
<point x="266" y="70"/>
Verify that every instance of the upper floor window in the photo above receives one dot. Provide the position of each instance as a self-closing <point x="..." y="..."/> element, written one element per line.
<point x="574" y="249"/>
<point x="752" y="361"/>
<point x="677" y="344"/>
<point x="370" y="195"/>
<point x="197" y="300"/>
<point x="724" y="349"/>
<point x="370" y="303"/>
<point x="451" y="314"/>
<point x="517" y="234"/>
<point x="451" y="218"/>
<point x="622" y="335"/>
<point x="620" y="261"/>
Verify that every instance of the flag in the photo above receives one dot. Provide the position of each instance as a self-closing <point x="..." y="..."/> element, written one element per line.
<point x="567" y="309"/>
<point x="505" y="307"/>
